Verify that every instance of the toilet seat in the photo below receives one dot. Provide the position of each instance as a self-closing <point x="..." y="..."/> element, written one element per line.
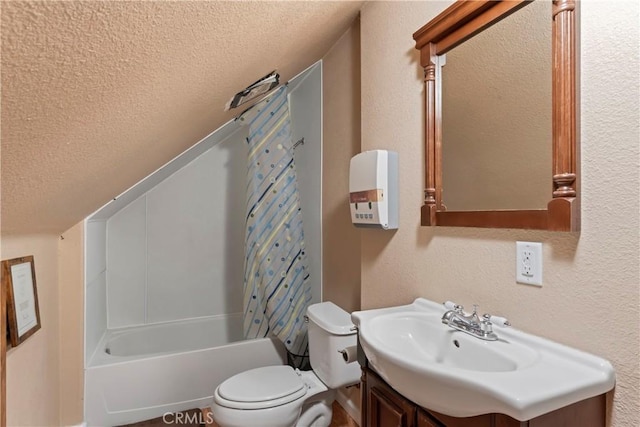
<point x="261" y="388"/>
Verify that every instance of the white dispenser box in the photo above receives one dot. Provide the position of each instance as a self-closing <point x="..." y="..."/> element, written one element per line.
<point x="373" y="189"/>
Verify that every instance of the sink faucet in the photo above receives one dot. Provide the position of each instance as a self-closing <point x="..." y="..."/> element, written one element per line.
<point x="472" y="324"/>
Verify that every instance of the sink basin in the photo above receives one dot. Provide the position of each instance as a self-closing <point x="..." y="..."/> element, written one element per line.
<point x="457" y="374"/>
<point x="427" y="340"/>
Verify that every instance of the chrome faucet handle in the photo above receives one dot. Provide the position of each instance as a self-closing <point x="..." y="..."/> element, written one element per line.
<point x="496" y="320"/>
<point x="450" y="305"/>
<point x="485" y="324"/>
<point x="486" y="319"/>
<point x="473" y="317"/>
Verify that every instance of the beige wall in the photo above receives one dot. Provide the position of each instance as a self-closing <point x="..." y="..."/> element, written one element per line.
<point x="590" y="296"/>
<point x="33" y="379"/>
<point x="71" y="283"/>
<point x="341" y="141"/>
<point x="45" y="373"/>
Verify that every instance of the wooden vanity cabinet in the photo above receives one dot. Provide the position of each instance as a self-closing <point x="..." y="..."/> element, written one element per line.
<point x="382" y="406"/>
<point x="387" y="408"/>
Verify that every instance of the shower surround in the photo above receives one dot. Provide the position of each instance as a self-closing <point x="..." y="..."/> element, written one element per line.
<point x="165" y="260"/>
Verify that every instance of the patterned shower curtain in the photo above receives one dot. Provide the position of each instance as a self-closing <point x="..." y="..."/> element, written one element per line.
<point x="277" y="290"/>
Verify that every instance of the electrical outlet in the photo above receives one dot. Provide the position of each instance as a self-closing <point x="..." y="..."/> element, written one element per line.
<point x="529" y="263"/>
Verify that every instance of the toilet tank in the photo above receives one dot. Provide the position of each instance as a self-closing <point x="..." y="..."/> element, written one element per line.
<point x="330" y="333"/>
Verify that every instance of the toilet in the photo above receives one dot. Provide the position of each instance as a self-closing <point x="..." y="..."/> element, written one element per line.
<point x="281" y="396"/>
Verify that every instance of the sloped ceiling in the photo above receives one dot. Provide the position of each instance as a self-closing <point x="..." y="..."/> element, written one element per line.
<point x="97" y="95"/>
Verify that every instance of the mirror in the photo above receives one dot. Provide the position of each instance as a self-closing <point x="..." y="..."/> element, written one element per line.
<point x="496" y="115"/>
<point x="501" y="115"/>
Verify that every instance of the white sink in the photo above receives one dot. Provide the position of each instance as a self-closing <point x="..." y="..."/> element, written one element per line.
<point x="457" y="374"/>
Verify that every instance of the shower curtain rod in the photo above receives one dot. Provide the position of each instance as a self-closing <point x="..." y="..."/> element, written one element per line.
<point x="239" y="116"/>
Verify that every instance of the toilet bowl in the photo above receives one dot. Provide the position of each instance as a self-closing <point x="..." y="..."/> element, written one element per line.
<point x="273" y="396"/>
<point x="280" y="396"/>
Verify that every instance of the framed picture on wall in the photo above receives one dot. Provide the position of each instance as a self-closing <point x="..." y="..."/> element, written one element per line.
<point x="23" y="312"/>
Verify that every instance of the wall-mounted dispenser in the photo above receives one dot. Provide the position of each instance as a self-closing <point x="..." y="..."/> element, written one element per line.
<point x="373" y="187"/>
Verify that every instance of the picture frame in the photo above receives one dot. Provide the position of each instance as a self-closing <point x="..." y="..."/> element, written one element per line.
<point x="23" y="311"/>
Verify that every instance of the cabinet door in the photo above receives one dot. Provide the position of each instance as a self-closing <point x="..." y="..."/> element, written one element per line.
<point x="448" y="421"/>
<point x="383" y="406"/>
<point x="434" y="419"/>
<point x="384" y="412"/>
<point x="426" y="420"/>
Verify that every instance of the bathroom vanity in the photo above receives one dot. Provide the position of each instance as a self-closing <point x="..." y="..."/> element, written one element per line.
<point x="382" y="406"/>
<point x="426" y="364"/>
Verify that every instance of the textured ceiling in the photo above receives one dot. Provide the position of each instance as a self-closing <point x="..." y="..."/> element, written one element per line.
<point x="96" y="95"/>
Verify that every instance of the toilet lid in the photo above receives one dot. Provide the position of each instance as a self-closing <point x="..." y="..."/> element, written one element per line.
<point x="262" y="384"/>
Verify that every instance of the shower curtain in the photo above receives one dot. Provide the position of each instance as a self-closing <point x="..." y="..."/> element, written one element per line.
<point x="277" y="290"/>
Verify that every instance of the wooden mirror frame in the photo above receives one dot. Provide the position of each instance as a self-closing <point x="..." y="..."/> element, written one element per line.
<point x="453" y="26"/>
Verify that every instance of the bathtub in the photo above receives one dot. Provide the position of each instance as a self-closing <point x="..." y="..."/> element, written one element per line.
<point x="144" y="372"/>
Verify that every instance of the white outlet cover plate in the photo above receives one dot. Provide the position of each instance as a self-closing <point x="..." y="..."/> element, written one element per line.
<point x="529" y="263"/>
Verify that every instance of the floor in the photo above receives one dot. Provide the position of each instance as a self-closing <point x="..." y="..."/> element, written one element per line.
<point x="203" y="418"/>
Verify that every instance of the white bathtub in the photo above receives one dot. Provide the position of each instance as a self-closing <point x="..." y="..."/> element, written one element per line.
<point x="144" y="372"/>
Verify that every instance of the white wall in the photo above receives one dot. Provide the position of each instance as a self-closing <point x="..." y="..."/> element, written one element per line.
<point x="127" y="261"/>
<point x="175" y="250"/>
<point x="305" y="100"/>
